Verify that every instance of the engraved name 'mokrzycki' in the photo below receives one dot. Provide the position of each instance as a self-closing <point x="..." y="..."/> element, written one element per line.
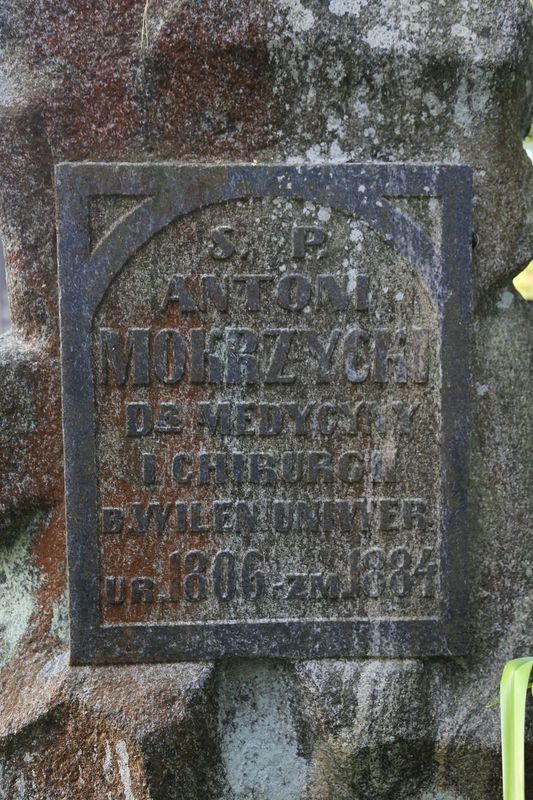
<point x="278" y="438"/>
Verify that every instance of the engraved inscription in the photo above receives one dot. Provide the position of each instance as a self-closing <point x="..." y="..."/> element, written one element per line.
<point x="282" y="411"/>
<point x="270" y="416"/>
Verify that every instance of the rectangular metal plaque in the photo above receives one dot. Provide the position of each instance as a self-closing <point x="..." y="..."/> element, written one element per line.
<point x="265" y="383"/>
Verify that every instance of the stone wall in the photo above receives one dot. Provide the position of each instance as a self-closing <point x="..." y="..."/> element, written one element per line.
<point x="269" y="82"/>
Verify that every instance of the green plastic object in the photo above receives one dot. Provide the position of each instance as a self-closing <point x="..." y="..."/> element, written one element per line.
<point x="513" y="690"/>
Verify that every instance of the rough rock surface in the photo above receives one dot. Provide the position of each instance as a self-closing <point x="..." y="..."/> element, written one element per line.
<point x="297" y="81"/>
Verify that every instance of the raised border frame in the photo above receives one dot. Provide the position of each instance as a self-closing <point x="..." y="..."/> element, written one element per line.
<point x="167" y="191"/>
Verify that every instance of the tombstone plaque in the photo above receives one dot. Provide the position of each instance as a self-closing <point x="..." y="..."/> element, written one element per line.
<point x="265" y="378"/>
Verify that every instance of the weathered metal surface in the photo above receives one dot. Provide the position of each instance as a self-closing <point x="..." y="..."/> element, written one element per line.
<point x="265" y="376"/>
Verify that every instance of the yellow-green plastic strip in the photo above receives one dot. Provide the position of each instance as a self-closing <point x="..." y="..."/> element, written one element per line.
<point x="513" y="691"/>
